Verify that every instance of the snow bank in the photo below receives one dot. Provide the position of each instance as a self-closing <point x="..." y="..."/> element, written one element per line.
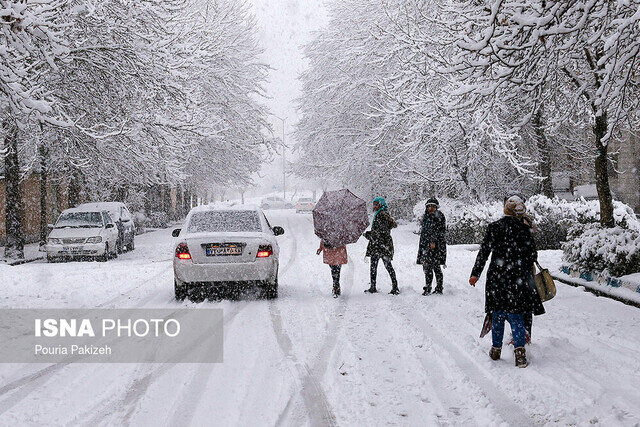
<point x="614" y="251"/>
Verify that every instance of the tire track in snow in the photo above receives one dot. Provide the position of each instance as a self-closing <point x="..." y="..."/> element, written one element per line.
<point x="505" y="407"/>
<point x="319" y="411"/>
<point x="139" y="385"/>
<point x="30" y="382"/>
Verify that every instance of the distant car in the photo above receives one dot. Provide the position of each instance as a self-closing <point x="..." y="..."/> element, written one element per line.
<point x="82" y="233"/>
<point x="305" y="204"/>
<point x="222" y="249"/>
<point x="123" y="220"/>
<point x="275" y="202"/>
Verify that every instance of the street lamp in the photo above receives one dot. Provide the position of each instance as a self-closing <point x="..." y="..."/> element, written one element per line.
<point x="284" y="173"/>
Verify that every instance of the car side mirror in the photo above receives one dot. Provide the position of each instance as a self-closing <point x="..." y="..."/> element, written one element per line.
<point x="50" y="226"/>
<point x="110" y="225"/>
<point x="176" y="232"/>
<point x="278" y="231"/>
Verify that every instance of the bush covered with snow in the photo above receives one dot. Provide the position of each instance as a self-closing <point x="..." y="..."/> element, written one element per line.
<point x="467" y="223"/>
<point x="594" y="248"/>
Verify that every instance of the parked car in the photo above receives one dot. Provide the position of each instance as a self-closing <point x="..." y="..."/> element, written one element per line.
<point x="305" y="204"/>
<point x="123" y="220"/>
<point x="275" y="202"/>
<point x="220" y="250"/>
<point x="82" y="233"/>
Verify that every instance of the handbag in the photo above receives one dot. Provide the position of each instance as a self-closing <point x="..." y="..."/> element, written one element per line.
<point x="545" y="284"/>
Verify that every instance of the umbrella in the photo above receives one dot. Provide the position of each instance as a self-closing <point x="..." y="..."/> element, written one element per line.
<point x="340" y="217"/>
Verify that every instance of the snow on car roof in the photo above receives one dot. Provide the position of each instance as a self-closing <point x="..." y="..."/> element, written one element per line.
<point x="238" y="207"/>
<point x="82" y="208"/>
<point x="102" y="205"/>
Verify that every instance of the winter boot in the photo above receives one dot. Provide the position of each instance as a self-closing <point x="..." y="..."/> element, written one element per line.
<point x="495" y="352"/>
<point x="336" y="292"/>
<point x="521" y="357"/>
<point x="394" y="290"/>
<point x="372" y="290"/>
<point x="426" y="292"/>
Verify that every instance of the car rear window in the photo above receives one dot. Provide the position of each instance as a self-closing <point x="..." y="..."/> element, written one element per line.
<point x="224" y="221"/>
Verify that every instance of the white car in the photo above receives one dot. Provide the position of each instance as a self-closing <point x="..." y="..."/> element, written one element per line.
<point x="304" y="204"/>
<point x="221" y="249"/>
<point x="275" y="202"/>
<point x="122" y="218"/>
<point x="82" y="233"/>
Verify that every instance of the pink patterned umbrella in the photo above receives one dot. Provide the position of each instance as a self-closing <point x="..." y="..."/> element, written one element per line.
<point x="340" y="217"/>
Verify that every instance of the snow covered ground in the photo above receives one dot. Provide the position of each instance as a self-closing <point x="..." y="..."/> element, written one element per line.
<point x="309" y="359"/>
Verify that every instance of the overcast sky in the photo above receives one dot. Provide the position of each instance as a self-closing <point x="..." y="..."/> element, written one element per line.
<point x="284" y="27"/>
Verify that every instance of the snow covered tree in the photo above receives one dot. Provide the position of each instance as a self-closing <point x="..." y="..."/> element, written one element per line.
<point x="583" y="52"/>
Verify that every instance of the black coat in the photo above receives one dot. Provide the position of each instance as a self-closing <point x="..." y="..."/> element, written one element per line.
<point x="509" y="279"/>
<point x="433" y="230"/>
<point x="380" y="242"/>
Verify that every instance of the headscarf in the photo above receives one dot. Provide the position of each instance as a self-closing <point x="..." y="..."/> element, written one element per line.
<point x="383" y="206"/>
<point x="514" y="206"/>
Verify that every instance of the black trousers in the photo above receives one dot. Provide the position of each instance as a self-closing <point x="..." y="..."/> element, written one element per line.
<point x="429" y="271"/>
<point x="335" y="274"/>
<point x="374" y="270"/>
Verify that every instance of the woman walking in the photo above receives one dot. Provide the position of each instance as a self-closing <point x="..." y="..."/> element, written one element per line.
<point x="538" y="307"/>
<point x="380" y="245"/>
<point x="508" y="293"/>
<point x="432" y="250"/>
<point x="335" y="258"/>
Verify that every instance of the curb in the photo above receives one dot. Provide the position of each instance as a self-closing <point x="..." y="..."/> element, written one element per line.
<point x="596" y="288"/>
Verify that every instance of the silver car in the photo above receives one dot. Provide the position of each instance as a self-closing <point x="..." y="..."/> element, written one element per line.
<point x="305" y="204"/>
<point x="275" y="202"/>
<point x="220" y="251"/>
<point x="82" y="233"/>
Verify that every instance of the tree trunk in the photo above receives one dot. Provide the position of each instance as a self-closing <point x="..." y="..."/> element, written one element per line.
<point x="44" y="172"/>
<point x="14" y="246"/>
<point x="73" y="198"/>
<point x="544" y="153"/>
<point x="602" y="174"/>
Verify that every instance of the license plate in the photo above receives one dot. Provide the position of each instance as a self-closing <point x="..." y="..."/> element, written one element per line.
<point x="71" y="249"/>
<point x="225" y="249"/>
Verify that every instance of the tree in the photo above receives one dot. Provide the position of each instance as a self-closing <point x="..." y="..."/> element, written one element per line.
<point x="584" y="52"/>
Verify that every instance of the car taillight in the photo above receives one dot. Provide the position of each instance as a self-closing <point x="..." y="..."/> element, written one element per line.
<point x="310" y="204"/>
<point x="298" y="205"/>
<point x="182" y="251"/>
<point x="264" y="251"/>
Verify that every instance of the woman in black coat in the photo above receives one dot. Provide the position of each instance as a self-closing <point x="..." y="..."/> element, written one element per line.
<point x="380" y="245"/>
<point x="508" y="291"/>
<point x="432" y="249"/>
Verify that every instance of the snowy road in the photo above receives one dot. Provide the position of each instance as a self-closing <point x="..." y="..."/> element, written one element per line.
<point x="309" y="359"/>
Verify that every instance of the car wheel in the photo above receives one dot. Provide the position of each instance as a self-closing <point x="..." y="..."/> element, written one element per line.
<point x="132" y="245"/>
<point x="270" y="290"/>
<point x="180" y="291"/>
<point x="51" y="259"/>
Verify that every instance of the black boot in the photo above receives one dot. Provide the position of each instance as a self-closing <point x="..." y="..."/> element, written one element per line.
<point x="336" y="292"/>
<point x="394" y="290"/>
<point x="426" y="291"/>
<point x="372" y="290"/>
